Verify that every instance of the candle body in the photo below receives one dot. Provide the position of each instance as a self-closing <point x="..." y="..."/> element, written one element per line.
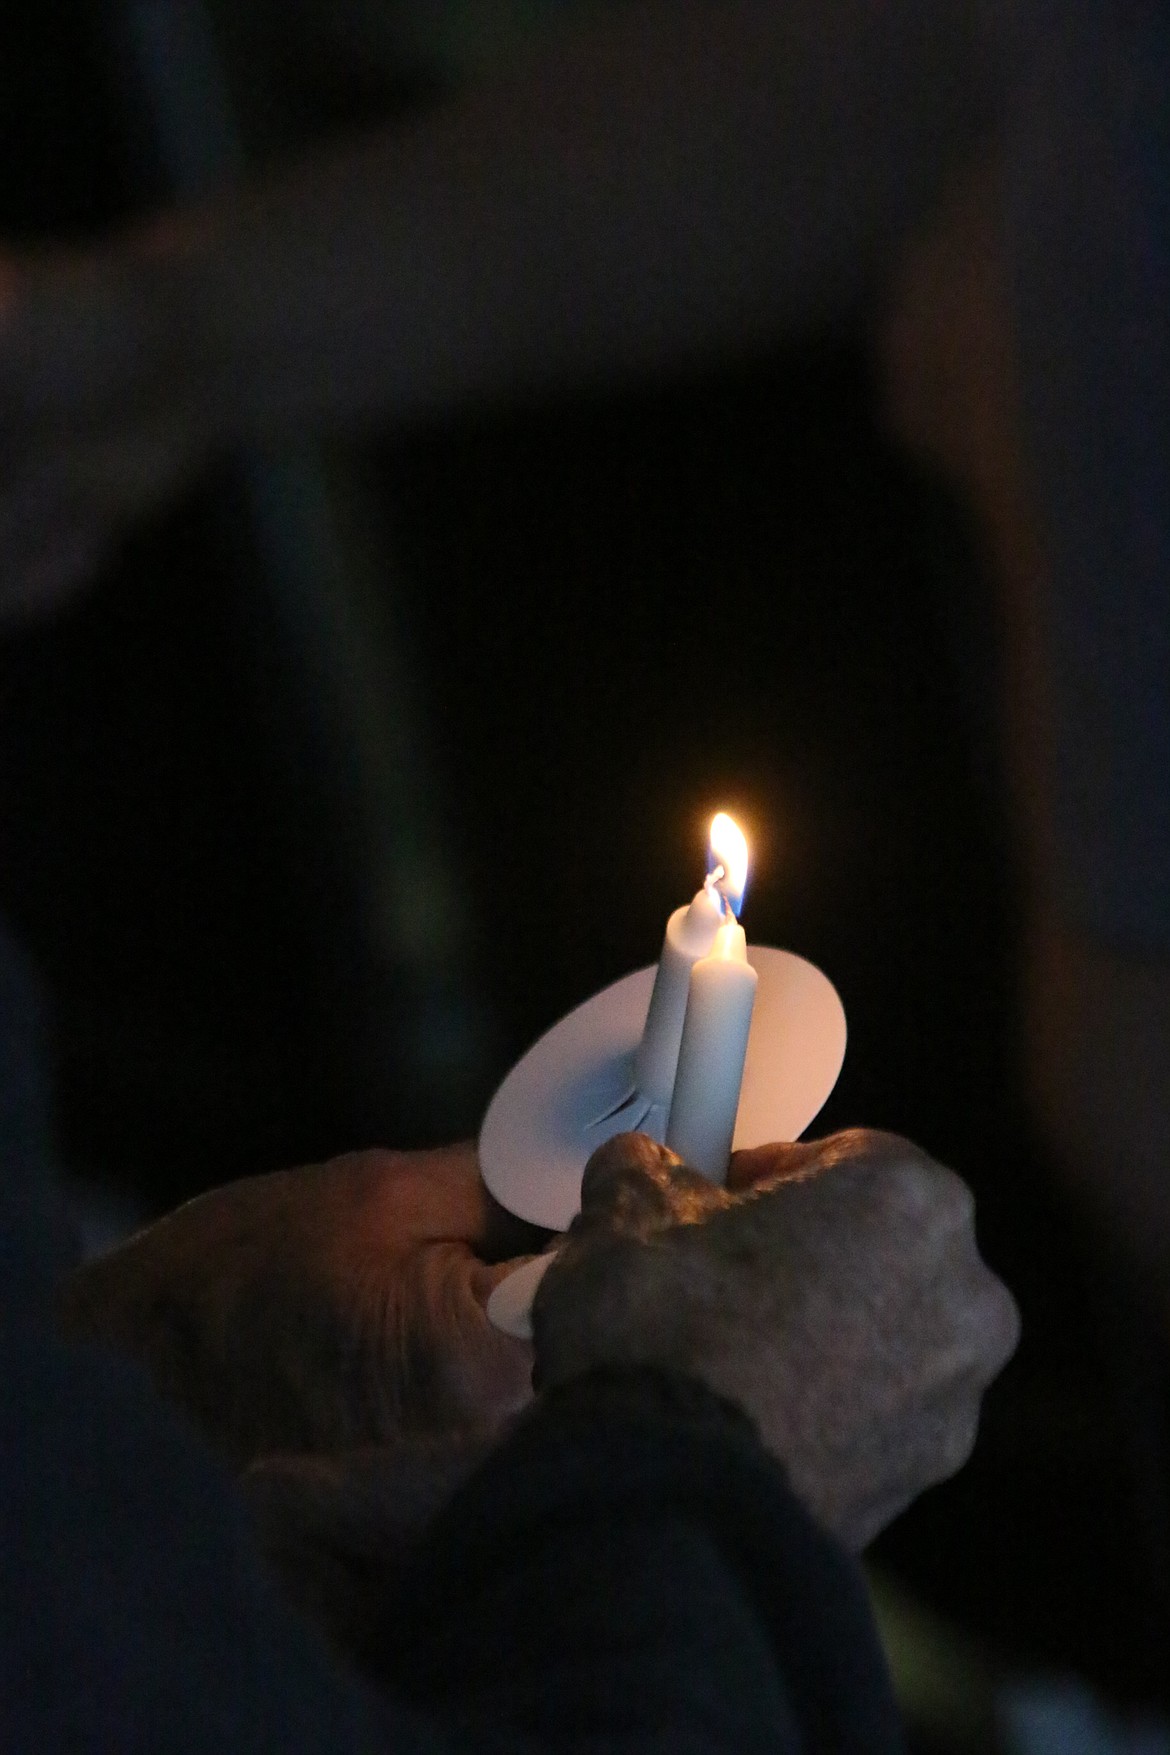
<point x="690" y="934"/>
<point x="711" y="1054"/>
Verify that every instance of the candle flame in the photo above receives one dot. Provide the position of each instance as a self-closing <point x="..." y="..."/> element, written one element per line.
<point x="729" y="859"/>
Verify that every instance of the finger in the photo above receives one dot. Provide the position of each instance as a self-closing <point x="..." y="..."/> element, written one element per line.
<point x="634" y="1185"/>
<point x="458" y="1369"/>
<point x="948" y="1427"/>
<point x="782" y="1161"/>
<point x="975" y="1323"/>
<point x="863" y="1150"/>
<point x="485" y="1276"/>
<point x="625" y="1176"/>
<point x="625" y="1153"/>
<point x="994" y="1326"/>
<point x="940" y="1446"/>
<point x="429" y="1197"/>
<point x="476" y="1216"/>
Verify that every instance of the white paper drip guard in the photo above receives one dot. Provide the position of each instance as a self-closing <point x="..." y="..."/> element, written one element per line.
<point x="574" y="1088"/>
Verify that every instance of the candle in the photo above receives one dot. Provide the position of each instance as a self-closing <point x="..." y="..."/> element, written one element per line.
<point x="690" y="934"/>
<point x="711" y="1055"/>
<point x="705" y="1100"/>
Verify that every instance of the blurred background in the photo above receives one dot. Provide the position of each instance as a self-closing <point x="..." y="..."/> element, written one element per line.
<point x="365" y="763"/>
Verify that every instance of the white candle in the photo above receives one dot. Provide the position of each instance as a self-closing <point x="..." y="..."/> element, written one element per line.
<point x="714" y="1043"/>
<point x="690" y="934"/>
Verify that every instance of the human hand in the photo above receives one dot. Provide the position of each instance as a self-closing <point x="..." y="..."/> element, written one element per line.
<point x="834" y="1290"/>
<point x="321" y="1308"/>
<point x="94" y="428"/>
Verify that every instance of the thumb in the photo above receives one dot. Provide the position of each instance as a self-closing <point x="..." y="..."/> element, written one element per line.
<point x="635" y="1186"/>
<point x="626" y="1156"/>
<point x="781" y="1161"/>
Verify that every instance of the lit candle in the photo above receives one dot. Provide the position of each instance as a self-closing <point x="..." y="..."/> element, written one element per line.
<point x="690" y="934"/>
<point x="720" y="997"/>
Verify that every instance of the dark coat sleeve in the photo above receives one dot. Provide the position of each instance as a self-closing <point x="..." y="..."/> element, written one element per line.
<point x="630" y="1570"/>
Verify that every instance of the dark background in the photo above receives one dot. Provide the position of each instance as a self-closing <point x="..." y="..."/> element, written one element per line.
<point x="606" y="617"/>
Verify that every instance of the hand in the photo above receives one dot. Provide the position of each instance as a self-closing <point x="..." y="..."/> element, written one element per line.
<point x="93" y="431"/>
<point x="321" y="1308"/>
<point x="834" y="1290"/>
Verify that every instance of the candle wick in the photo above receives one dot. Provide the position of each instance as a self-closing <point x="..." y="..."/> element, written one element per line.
<point x="714" y="882"/>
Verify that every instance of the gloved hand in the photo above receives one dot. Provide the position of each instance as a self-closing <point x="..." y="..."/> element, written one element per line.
<point x="834" y="1290"/>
